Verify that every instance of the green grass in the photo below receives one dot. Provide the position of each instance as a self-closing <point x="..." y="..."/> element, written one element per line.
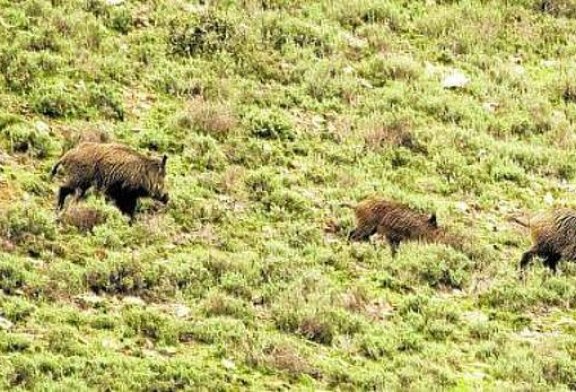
<point x="273" y="114"/>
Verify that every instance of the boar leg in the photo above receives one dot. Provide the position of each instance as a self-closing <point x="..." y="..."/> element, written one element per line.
<point x="127" y="205"/>
<point x="63" y="193"/>
<point x="394" y="245"/>
<point x="552" y="261"/>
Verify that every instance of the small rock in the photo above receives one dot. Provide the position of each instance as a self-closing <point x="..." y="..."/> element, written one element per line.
<point x="365" y="83"/>
<point x="503" y="207"/>
<point x="4" y="158"/>
<point x="89" y="299"/>
<point x="348" y="70"/>
<point x="5" y="324"/>
<point x="518" y="69"/>
<point x="482" y="153"/>
<point x="130" y="300"/>
<point x="430" y="69"/>
<point x="476" y="375"/>
<point x="566" y="186"/>
<point x="354" y="41"/>
<point x="228" y="364"/>
<point x="491" y="223"/>
<point x="150" y="353"/>
<point x="462" y="206"/>
<point x="558" y="117"/>
<point x="475" y="317"/>
<point x="529" y="334"/>
<point x="41" y="126"/>
<point x="181" y="311"/>
<point x="110" y="344"/>
<point x="455" y="80"/>
<point x="516" y="59"/>
<point x="490" y="107"/>
<point x="549" y="63"/>
<point x="193" y="9"/>
<point x="168" y="351"/>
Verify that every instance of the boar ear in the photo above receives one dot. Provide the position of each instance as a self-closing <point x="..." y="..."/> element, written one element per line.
<point x="164" y="159"/>
<point x="432" y="220"/>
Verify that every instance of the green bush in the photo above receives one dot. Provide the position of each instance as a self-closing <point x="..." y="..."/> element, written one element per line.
<point x="283" y="31"/>
<point x="58" y="100"/>
<point x="270" y="124"/>
<point x="18" y="71"/>
<point x="203" y="34"/>
<point x="26" y="138"/>
<point x="11" y="276"/>
<point x="215" y="330"/>
<point x="356" y="13"/>
<point x="22" y="221"/>
<point x="380" y="70"/>
<point x="106" y="101"/>
<point x="150" y="325"/>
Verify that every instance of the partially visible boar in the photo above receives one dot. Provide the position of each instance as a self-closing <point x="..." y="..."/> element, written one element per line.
<point x="121" y="173"/>
<point x="553" y="238"/>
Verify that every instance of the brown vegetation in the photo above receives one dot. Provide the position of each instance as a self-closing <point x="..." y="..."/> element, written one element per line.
<point x="394" y="134"/>
<point x="215" y="119"/>
<point x="84" y="219"/>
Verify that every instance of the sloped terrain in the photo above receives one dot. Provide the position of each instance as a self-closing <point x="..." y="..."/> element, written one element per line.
<point x="274" y="115"/>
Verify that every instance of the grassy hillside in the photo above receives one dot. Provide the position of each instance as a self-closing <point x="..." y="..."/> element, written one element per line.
<point x="273" y="114"/>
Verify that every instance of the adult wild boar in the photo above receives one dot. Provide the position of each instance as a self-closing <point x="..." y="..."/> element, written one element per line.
<point x="121" y="173"/>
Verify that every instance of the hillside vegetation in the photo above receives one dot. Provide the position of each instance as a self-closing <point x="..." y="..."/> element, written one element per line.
<point x="274" y="114"/>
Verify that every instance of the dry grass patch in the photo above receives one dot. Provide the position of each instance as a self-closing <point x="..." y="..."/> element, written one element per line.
<point x="83" y="218"/>
<point x="82" y="132"/>
<point x="232" y="179"/>
<point x="379" y="134"/>
<point x="213" y="118"/>
<point x="283" y="356"/>
<point x="8" y="192"/>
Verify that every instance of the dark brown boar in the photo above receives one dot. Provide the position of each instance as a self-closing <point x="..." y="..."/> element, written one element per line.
<point x="396" y="222"/>
<point x="121" y="173"/>
<point x="553" y="238"/>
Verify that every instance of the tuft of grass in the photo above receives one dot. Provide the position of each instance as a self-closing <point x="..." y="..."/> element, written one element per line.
<point x="380" y="134"/>
<point x="270" y="124"/>
<point x="26" y="138"/>
<point x="85" y="219"/>
<point x="281" y="355"/>
<point x="214" y="119"/>
<point x="205" y="32"/>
